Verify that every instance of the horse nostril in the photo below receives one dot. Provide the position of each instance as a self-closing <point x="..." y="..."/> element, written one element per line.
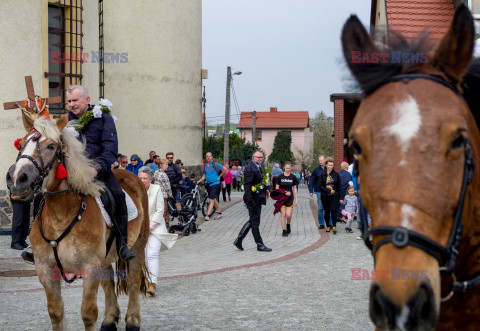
<point x="423" y="310"/>
<point x="382" y="310"/>
<point x="23" y="178"/>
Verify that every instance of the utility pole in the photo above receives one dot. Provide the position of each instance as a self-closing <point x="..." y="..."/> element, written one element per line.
<point x="226" y="137"/>
<point x="204" y="102"/>
<point x="254" y="127"/>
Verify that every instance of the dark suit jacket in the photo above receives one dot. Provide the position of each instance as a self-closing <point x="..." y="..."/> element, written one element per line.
<point x="252" y="177"/>
<point x="322" y="183"/>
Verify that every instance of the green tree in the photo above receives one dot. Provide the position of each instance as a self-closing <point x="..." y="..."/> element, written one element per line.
<point x="281" y="148"/>
<point x="322" y="127"/>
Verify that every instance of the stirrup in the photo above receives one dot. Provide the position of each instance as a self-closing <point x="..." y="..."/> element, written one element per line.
<point x="128" y="250"/>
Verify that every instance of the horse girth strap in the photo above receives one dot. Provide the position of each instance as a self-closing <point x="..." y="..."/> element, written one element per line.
<point x="54" y="243"/>
<point x="401" y="237"/>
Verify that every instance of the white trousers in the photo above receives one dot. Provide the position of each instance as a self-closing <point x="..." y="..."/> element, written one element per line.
<point x="152" y="250"/>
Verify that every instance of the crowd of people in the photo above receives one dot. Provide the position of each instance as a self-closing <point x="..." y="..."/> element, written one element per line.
<point x="166" y="179"/>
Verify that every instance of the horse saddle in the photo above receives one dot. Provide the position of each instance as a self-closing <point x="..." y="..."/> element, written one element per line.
<point x="106" y="203"/>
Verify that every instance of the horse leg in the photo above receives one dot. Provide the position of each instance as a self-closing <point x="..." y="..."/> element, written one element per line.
<point x="112" y="311"/>
<point x="132" y="318"/>
<point x="50" y="280"/>
<point x="89" y="308"/>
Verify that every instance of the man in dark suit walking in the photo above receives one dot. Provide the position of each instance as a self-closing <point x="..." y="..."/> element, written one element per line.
<point x="254" y="201"/>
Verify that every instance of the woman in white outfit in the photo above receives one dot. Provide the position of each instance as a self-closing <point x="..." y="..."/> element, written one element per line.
<point x="158" y="229"/>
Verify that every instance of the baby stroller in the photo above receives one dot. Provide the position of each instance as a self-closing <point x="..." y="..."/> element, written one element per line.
<point x="187" y="218"/>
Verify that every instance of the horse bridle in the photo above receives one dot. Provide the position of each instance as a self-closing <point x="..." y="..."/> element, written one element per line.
<point x="401" y="236"/>
<point x="42" y="168"/>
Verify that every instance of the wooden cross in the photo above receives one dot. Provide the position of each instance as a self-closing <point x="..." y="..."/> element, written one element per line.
<point x="31" y="96"/>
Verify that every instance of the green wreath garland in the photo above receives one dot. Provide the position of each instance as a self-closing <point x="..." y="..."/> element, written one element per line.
<point x="88" y="117"/>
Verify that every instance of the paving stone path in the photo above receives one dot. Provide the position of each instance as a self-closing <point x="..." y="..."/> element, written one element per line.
<point x="206" y="283"/>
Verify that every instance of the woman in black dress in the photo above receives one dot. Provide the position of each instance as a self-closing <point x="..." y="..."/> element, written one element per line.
<point x="329" y="184"/>
<point x="288" y="182"/>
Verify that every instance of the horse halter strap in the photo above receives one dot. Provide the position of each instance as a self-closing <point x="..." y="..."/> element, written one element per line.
<point x="54" y="243"/>
<point x="401" y="237"/>
<point x="44" y="170"/>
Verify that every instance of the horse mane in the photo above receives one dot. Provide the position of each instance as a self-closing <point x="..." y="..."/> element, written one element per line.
<point x="471" y="90"/>
<point x="80" y="176"/>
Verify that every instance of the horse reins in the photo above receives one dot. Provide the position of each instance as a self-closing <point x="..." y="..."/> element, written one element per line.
<point x="401" y="236"/>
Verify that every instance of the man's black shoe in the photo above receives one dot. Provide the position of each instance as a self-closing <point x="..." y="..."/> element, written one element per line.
<point x="321" y="227"/>
<point x="126" y="254"/>
<point x="284" y="233"/>
<point x="289" y="230"/>
<point x="263" y="248"/>
<point x="238" y="243"/>
<point x="24" y="244"/>
<point x="27" y="257"/>
<point x="17" y="246"/>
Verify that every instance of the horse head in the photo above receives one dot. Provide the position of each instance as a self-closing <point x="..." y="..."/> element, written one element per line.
<point x="411" y="137"/>
<point x="40" y="149"/>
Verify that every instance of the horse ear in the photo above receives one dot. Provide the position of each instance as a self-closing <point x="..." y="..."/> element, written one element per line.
<point x="355" y="42"/>
<point x="28" y="120"/>
<point x="62" y="122"/>
<point x="454" y="52"/>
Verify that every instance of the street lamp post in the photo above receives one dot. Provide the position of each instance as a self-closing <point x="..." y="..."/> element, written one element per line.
<point x="226" y="138"/>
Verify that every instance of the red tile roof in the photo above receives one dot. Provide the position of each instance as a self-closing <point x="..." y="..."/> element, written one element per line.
<point x="412" y="16"/>
<point x="274" y="120"/>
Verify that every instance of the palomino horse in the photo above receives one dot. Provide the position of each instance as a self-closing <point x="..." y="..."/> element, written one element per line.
<point x="83" y="248"/>
<point x="414" y="137"/>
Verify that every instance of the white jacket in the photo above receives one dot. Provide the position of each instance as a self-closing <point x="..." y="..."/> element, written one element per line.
<point x="156" y="207"/>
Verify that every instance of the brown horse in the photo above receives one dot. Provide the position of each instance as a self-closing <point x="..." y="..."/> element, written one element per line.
<point x="412" y="137"/>
<point x="83" y="249"/>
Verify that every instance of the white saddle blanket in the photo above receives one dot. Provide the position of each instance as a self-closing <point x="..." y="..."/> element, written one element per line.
<point x="132" y="209"/>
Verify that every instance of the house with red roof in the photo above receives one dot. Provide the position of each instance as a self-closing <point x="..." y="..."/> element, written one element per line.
<point x="269" y="123"/>
<point x="409" y="17"/>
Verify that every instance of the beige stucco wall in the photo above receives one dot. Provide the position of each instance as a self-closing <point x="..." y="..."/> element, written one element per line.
<point x="381" y="14"/>
<point x="20" y="55"/>
<point x="157" y="93"/>
<point x="90" y="70"/>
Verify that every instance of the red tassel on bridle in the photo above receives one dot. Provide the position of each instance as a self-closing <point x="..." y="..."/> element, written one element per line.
<point x="61" y="172"/>
<point x="17" y="143"/>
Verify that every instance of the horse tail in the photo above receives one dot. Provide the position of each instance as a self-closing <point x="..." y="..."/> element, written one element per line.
<point x="144" y="282"/>
<point x="121" y="285"/>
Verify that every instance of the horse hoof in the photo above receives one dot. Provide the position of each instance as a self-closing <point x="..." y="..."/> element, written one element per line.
<point x="109" y="327"/>
<point x="132" y="328"/>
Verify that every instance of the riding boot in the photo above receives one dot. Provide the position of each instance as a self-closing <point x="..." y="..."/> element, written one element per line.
<point x="258" y="240"/>
<point x="124" y="253"/>
<point x="243" y="232"/>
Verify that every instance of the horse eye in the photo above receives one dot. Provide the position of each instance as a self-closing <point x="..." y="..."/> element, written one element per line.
<point x="356" y="148"/>
<point x="51" y="146"/>
<point x="458" y="142"/>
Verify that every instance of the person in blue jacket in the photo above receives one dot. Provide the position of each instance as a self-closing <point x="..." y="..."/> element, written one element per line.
<point x="314" y="189"/>
<point x="100" y="136"/>
<point x="135" y="164"/>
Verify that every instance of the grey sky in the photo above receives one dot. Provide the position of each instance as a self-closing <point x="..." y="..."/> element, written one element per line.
<point x="288" y="51"/>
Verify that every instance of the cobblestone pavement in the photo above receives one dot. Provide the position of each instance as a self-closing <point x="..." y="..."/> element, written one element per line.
<point x="206" y="283"/>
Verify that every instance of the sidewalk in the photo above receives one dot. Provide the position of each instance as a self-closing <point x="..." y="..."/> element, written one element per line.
<point x="206" y="283"/>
